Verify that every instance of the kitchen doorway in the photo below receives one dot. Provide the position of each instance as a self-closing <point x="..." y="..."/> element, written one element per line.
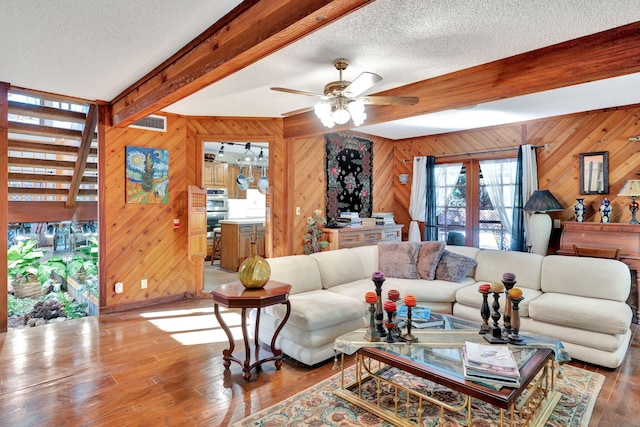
<point x="239" y="170"/>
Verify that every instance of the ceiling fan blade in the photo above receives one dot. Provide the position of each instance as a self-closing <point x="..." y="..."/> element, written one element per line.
<point x="298" y="92"/>
<point x="390" y="100"/>
<point x="300" y="111"/>
<point x="363" y="82"/>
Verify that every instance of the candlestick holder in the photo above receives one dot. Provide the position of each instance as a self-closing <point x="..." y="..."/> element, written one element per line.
<point x="485" y="312"/>
<point x="409" y="337"/>
<point x="379" y="315"/>
<point x="372" y="334"/>
<point x="514" y="337"/>
<point x="495" y="337"/>
<point x="506" y="317"/>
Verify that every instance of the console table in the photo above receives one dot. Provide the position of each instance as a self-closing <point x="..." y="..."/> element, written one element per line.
<point x="625" y="237"/>
<point x="350" y="237"/>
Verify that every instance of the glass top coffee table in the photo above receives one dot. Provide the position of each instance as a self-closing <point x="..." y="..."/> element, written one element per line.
<point x="389" y="377"/>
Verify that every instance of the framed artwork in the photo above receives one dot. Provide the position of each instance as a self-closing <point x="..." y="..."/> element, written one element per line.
<point x="147" y="175"/>
<point x="594" y="173"/>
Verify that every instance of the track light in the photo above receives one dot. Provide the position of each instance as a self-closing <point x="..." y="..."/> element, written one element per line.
<point x="221" y="151"/>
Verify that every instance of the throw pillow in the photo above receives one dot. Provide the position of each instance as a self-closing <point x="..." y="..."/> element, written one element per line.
<point x="399" y="259"/>
<point x="454" y="267"/>
<point x="428" y="258"/>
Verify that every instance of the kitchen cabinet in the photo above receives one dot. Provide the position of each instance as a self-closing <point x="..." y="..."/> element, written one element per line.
<point x="232" y="186"/>
<point x="350" y="237"/>
<point x="215" y="174"/>
<point x="237" y="236"/>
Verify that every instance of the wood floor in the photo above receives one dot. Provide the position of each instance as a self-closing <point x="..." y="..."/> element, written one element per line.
<point x="162" y="366"/>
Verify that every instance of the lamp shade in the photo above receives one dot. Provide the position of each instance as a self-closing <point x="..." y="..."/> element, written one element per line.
<point x="542" y="201"/>
<point x="631" y="188"/>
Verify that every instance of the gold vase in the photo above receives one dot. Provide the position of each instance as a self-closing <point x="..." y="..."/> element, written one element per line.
<point x="254" y="272"/>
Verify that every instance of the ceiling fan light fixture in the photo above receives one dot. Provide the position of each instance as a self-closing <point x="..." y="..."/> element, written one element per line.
<point x="356" y="108"/>
<point x="341" y="116"/>
<point x="323" y="111"/>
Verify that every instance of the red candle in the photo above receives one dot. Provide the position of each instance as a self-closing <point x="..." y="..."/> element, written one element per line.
<point x="371" y="297"/>
<point x="389" y="306"/>
<point x="410" y="301"/>
<point x="393" y="295"/>
<point x="484" y="288"/>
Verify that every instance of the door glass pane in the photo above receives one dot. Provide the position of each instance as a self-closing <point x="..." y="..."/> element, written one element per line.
<point x="452" y="218"/>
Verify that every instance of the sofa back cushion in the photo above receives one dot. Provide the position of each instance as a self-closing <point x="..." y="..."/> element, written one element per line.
<point x="369" y="257"/>
<point x="299" y="271"/>
<point x="492" y="264"/>
<point x="428" y="258"/>
<point x="454" y="267"/>
<point x="587" y="277"/>
<point x="399" y="259"/>
<point x="338" y="267"/>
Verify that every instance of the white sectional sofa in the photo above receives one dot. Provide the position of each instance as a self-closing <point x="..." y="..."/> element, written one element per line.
<point x="580" y="301"/>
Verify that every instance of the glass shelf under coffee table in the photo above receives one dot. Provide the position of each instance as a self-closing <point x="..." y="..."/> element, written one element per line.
<point x="437" y="357"/>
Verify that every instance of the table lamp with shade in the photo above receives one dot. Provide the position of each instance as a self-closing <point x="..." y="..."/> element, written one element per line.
<point x="632" y="189"/>
<point x="541" y="202"/>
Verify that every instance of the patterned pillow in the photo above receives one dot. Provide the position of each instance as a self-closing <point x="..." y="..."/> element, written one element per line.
<point x="399" y="259"/>
<point x="454" y="267"/>
<point x="428" y="258"/>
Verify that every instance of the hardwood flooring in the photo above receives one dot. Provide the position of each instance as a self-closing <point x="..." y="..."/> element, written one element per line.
<point x="162" y="366"/>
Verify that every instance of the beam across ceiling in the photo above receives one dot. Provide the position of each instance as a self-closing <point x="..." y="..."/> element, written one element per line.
<point x="250" y="32"/>
<point x="607" y="54"/>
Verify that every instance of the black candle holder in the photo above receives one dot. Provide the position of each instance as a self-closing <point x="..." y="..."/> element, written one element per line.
<point x="372" y="334"/>
<point x="379" y="315"/>
<point x="495" y="337"/>
<point x="409" y="337"/>
<point x="506" y="318"/>
<point x="514" y="336"/>
<point x="485" y="312"/>
<point x="391" y="327"/>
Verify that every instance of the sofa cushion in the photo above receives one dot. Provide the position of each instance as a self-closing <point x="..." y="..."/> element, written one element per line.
<point x="492" y="264"/>
<point x="399" y="259"/>
<point x="319" y="309"/>
<point x="368" y="257"/>
<point x="428" y="258"/>
<point x="593" y="314"/>
<point x="454" y="267"/>
<point x="587" y="277"/>
<point x="469" y="251"/>
<point x="300" y="271"/>
<point x="339" y="266"/>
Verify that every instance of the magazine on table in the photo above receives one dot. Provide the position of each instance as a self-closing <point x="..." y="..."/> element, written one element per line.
<point x="421" y="317"/>
<point x="493" y="364"/>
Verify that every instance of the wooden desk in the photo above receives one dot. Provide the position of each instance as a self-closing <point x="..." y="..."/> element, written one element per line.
<point x="625" y="237"/>
<point x="351" y="237"/>
<point x="235" y="295"/>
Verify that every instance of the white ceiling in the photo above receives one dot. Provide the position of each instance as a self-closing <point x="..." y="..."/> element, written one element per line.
<point x="95" y="49"/>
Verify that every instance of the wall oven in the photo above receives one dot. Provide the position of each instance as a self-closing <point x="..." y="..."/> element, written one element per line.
<point x="217" y="208"/>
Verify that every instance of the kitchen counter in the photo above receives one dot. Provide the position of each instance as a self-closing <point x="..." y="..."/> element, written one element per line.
<point x="239" y="221"/>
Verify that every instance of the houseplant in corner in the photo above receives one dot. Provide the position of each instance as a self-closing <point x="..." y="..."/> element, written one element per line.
<point x="23" y="260"/>
<point x="312" y="242"/>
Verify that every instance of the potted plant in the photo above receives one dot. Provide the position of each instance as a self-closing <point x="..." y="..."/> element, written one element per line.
<point x="23" y="260"/>
<point x="312" y="242"/>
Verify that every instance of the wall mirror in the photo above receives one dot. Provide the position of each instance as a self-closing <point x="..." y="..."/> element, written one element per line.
<point x="594" y="173"/>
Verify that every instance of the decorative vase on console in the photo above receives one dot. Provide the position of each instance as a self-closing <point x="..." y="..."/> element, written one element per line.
<point x="254" y="272"/>
<point x="605" y="210"/>
<point x="580" y="210"/>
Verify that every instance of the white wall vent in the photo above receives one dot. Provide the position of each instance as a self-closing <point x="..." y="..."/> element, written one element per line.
<point x="157" y="123"/>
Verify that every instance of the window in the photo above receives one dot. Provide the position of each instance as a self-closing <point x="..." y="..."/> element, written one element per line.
<point x="479" y="207"/>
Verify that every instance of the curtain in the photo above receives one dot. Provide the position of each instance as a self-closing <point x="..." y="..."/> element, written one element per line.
<point x="526" y="184"/>
<point x="499" y="178"/>
<point x="430" y="218"/>
<point x="418" y="195"/>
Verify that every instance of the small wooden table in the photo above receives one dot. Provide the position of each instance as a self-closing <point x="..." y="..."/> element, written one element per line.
<point x="235" y="295"/>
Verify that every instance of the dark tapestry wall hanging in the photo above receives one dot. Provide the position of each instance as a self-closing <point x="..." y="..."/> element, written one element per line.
<point x="349" y="166"/>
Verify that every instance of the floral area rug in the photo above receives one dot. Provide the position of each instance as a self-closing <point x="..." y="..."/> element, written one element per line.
<point x="318" y="406"/>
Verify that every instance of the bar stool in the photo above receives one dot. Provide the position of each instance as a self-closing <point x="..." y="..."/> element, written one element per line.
<point x="217" y="244"/>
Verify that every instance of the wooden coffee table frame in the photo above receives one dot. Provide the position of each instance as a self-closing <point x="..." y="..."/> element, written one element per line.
<point x="539" y="396"/>
<point x="234" y="295"/>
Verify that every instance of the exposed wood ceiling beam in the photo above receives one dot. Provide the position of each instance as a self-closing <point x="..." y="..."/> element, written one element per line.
<point x="250" y="32"/>
<point x="598" y="56"/>
<point x="35" y="211"/>
<point x="47" y="164"/>
<point x="83" y="155"/>
<point x="31" y="110"/>
<point x="43" y="147"/>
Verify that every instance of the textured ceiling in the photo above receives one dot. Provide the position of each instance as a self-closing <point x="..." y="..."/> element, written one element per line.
<point x="96" y="52"/>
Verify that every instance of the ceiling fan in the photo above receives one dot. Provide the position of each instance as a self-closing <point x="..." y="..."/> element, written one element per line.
<point x="341" y="99"/>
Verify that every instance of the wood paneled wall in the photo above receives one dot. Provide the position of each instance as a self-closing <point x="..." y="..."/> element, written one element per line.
<point x="139" y="241"/>
<point x="565" y="138"/>
<point x="309" y="181"/>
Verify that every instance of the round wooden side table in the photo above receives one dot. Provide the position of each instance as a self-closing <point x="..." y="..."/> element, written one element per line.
<point x="235" y="295"/>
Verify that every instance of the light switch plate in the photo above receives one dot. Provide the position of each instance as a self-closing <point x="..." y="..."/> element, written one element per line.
<point x="556" y="223"/>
